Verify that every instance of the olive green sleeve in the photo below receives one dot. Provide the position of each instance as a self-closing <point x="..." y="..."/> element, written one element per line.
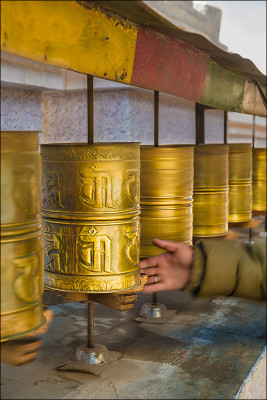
<point x="228" y="268"/>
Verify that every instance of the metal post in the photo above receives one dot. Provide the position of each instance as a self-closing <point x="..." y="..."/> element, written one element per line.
<point x="200" y="123"/>
<point x="90" y="121"/>
<point x="156" y="143"/>
<point x="90" y="108"/>
<point x="225" y="123"/>
<point x="155" y="299"/>
<point x="253" y="132"/>
<point x="91" y="330"/>
<point x="156" y="118"/>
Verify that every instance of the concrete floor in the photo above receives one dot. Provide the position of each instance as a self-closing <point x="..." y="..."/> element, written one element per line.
<point x="206" y="349"/>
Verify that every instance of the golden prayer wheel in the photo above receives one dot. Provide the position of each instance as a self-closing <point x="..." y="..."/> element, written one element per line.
<point x="210" y="198"/>
<point x="259" y="179"/>
<point x="91" y="212"/>
<point x="166" y="195"/>
<point x="21" y="228"/>
<point x="240" y="182"/>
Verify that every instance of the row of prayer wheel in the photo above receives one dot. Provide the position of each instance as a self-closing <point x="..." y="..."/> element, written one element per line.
<point x="85" y="235"/>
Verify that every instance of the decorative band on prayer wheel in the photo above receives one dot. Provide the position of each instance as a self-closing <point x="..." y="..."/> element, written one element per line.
<point x="91" y="207"/>
<point x="210" y="198"/>
<point x="166" y="195"/>
<point x="21" y="243"/>
<point x="240" y="182"/>
<point x="259" y="179"/>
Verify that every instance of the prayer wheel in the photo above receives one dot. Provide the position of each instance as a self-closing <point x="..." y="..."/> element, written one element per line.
<point x="259" y="179"/>
<point x="210" y="198"/>
<point x="91" y="213"/>
<point x="240" y="182"/>
<point x="166" y="195"/>
<point x="21" y="229"/>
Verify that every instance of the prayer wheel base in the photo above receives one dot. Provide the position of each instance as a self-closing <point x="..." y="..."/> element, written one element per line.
<point x="153" y="311"/>
<point x="93" y="283"/>
<point x="98" y="354"/>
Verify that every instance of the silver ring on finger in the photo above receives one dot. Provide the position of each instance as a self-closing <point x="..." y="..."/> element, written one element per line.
<point x="157" y="279"/>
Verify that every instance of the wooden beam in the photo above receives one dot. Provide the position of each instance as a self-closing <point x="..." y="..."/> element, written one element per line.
<point x="78" y="36"/>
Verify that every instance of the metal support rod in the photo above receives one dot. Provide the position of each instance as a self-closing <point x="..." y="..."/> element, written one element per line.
<point x="250" y="234"/>
<point x="90" y="108"/>
<point x="90" y="122"/>
<point x="156" y="118"/>
<point x="225" y="127"/>
<point x="200" y="123"/>
<point x="156" y="143"/>
<point x="263" y="97"/>
<point x="155" y="299"/>
<point x="90" y="325"/>
<point x="253" y="132"/>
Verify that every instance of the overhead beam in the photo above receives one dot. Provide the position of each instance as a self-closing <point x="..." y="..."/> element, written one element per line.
<point x="79" y="37"/>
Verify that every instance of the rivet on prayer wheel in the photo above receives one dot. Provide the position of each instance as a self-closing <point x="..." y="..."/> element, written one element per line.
<point x="240" y="182"/>
<point x="166" y="195"/>
<point x="90" y="210"/>
<point x="210" y="198"/>
<point x="21" y="242"/>
<point x="259" y="179"/>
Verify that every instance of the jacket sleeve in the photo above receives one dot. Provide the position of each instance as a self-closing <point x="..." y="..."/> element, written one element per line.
<point x="228" y="268"/>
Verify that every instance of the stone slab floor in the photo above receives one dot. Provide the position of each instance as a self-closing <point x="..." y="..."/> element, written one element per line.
<point x="207" y="349"/>
<point x="204" y="350"/>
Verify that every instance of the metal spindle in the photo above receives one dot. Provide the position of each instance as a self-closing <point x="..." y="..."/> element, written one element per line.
<point x="225" y="123"/>
<point x="253" y="132"/>
<point x="90" y="326"/>
<point x="90" y="121"/>
<point x="156" y="143"/>
<point x="156" y="118"/>
<point x="200" y="123"/>
<point x="90" y="108"/>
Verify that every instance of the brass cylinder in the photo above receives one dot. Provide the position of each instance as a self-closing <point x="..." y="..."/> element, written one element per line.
<point x="91" y="212"/>
<point x="210" y="198"/>
<point x="240" y="182"/>
<point x="21" y="243"/>
<point x="259" y="179"/>
<point x="166" y="195"/>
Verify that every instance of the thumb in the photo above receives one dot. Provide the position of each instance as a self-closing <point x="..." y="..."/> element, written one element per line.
<point x="167" y="244"/>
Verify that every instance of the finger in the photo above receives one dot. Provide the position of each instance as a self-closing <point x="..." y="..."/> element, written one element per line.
<point x="167" y="244"/>
<point x="48" y="314"/>
<point x="148" y="262"/>
<point x="155" y="287"/>
<point x="32" y="347"/>
<point x="150" y="280"/>
<point x="26" y="358"/>
<point x="150" y="271"/>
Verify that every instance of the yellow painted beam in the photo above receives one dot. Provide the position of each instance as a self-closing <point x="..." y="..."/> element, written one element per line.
<point x="68" y="35"/>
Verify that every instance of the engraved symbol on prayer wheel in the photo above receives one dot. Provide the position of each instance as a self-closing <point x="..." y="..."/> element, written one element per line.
<point x="259" y="179"/>
<point x="21" y="243"/>
<point x="166" y="195"/>
<point x="210" y="198"/>
<point x="240" y="182"/>
<point x="91" y="228"/>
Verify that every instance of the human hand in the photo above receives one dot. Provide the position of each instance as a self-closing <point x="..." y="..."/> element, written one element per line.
<point x="170" y="270"/>
<point x="48" y="314"/>
<point x="22" y="351"/>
